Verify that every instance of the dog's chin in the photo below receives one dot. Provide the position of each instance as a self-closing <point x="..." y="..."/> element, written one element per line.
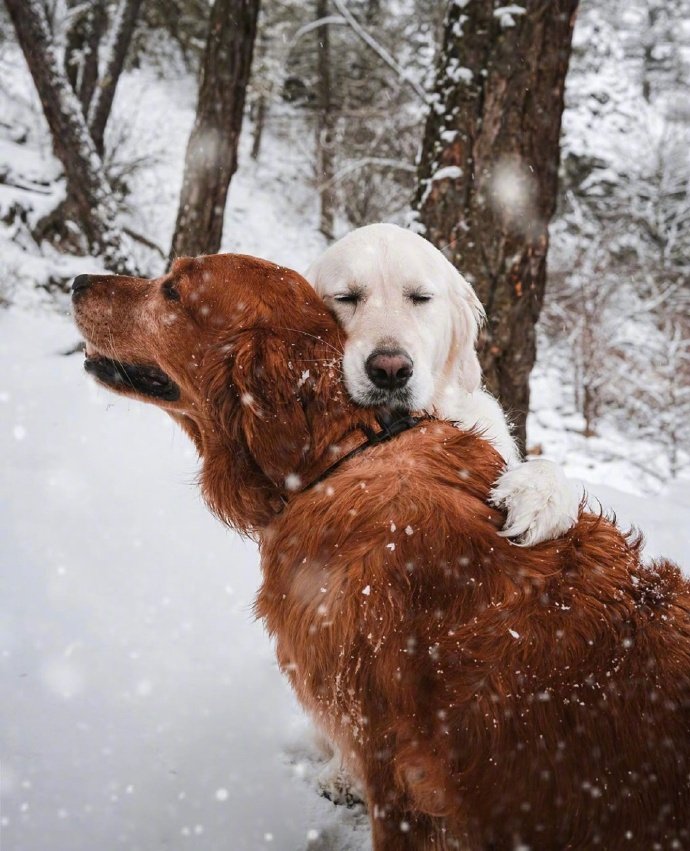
<point x="142" y="379"/>
<point x="395" y="400"/>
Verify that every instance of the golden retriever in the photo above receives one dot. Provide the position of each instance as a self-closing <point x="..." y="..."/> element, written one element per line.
<point x="412" y="322"/>
<point x="488" y="696"/>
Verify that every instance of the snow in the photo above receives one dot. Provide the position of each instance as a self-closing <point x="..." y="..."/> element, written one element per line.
<point x="271" y="210"/>
<point x="449" y="172"/>
<point x="507" y="14"/>
<point x="142" y="706"/>
<point x="458" y="73"/>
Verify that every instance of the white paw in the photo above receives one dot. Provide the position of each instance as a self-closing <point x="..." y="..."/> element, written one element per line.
<point x="337" y="785"/>
<point x="540" y="502"/>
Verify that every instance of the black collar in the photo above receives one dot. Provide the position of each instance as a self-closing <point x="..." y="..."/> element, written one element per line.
<point x="391" y="426"/>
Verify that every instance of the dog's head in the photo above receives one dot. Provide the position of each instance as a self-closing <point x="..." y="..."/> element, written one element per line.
<point x="241" y="352"/>
<point x="411" y="319"/>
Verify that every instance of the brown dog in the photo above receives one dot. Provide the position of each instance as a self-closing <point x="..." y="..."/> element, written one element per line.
<point x="488" y="696"/>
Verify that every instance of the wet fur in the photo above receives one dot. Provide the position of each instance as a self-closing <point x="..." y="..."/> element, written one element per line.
<point x="487" y="695"/>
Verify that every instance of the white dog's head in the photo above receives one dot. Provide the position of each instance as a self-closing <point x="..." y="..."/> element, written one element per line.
<point x="411" y="319"/>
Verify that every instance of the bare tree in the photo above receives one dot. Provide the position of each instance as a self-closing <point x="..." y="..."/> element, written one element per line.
<point x="86" y="28"/>
<point x="89" y="196"/>
<point x="211" y="157"/>
<point x="121" y="35"/>
<point x="324" y="126"/>
<point x="488" y="170"/>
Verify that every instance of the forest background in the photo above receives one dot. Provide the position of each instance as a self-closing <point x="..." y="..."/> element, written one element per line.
<point x="142" y="707"/>
<point x="386" y="109"/>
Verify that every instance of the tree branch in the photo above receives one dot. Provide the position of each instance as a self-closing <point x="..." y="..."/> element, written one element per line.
<point x="103" y="96"/>
<point x="355" y="165"/>
<point x="379" y="50"/>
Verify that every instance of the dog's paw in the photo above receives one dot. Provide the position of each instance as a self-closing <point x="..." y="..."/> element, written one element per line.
<point x="540" y="502"/>
<point x="338" y="786"/>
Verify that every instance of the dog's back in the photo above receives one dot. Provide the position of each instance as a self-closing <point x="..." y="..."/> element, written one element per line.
<point x="491" y="693"/>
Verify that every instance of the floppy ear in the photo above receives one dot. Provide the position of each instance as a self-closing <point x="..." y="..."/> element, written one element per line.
<point x="467" y="317"/>
<point x="293" y="404"/>
<point x="268" y="382"/>
<point x="259" y="432"/>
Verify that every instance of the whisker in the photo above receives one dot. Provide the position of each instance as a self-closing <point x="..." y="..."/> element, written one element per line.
<point x="313" y="336"/>
<point x="329" y="361"/>
<point x="123" y="371"/>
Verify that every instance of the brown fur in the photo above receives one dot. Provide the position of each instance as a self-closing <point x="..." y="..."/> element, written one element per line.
<point x="488" y="695"/>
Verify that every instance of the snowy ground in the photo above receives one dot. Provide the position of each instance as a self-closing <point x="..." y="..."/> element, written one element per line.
<point x="142" y="707"/>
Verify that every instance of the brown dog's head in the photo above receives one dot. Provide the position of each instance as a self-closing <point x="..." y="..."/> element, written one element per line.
<point x="242" y="353"/>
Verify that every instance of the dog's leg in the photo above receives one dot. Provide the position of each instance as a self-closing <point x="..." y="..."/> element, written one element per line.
<point x="339" y="785"/>
<point x="395" y="826"/>
<point x="541" y="503"/>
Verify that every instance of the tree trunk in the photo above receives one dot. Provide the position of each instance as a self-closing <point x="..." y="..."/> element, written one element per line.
<point x="123" y="26"/>
<point x="211" y="158"/>
<point x="259" y="117"/>
<point x="89" y="77"/>
<point x="648" y="44"/>
<point x="489" y="169"/>
<point x="88" y="192"/>
<point x="82" y="47"/>
<point x="74" y="42"/>
<point x="373" y="10"/>
<point x="324" y="126"/>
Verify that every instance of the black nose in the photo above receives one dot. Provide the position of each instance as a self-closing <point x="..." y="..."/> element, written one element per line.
<point x="389" y="369"/>
<point x="80" y="283"/>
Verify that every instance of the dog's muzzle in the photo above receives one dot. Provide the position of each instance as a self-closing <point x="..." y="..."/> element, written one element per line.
<point x="389" y="369"/>
<point x="148" y="380"/>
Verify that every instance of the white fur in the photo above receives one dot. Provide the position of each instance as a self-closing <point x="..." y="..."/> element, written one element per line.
<point x="387" y="265"/>
<point x="540" y="502"/>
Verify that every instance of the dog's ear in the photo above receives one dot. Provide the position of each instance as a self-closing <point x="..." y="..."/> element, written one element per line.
<point x="274" y="397"/>
<point x="258" y="432"/>
<point x="467" y="317"/>
<point x="268" y="382"/>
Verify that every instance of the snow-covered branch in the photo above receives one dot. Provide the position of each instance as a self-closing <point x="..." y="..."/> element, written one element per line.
<point x="380" y="50"/>
<point x="356" y="165"/>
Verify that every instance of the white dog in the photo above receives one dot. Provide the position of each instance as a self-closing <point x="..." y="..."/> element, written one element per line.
<point x="412" y="322"/>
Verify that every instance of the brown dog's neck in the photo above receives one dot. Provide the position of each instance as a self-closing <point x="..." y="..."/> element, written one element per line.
<point x="388" y="426"/>
<point x="247" y="497"/>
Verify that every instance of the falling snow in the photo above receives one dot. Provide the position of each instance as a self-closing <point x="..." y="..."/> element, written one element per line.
<point x="142" y="707"/>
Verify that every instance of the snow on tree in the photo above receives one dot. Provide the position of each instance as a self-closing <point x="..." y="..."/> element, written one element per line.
<point x="378" y="59"/>
<point x="100" y="106"/>
<point x="82" y="47"/>
<point x="89" y="195"/>
<point x="618" y="308"/>
<point x="488" y="170"/>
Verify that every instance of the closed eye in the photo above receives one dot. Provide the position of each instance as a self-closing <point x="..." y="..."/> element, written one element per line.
<point x="348" y="298"/>
<point x="419" y="298"/>
<point x="170" y="291"/>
